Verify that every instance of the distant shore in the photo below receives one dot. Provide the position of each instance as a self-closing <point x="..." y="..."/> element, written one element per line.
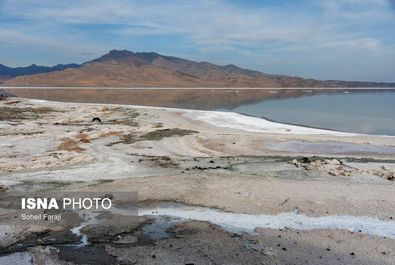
<point x="208" y="88"/>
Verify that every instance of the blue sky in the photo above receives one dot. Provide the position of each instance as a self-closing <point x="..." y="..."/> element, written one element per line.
<point x="323" y="39"/>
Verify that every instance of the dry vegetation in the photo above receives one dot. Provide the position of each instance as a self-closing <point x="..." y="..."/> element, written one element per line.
<point x="15" y="113"/>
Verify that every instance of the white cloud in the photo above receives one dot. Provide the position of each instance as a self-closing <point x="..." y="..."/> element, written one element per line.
<point x="206" y="23"/>
<point x="210" y="24"/>
<point x="360" y="44"/>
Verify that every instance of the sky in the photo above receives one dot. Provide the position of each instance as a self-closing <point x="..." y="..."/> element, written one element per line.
<point x="321" y="39"/>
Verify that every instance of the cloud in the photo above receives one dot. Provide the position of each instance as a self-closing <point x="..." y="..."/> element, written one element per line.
<point x="210" y="24"/>
<point x="357" y="9"/>
<point x="360" y="44"/>
<point x="18" y="38"/>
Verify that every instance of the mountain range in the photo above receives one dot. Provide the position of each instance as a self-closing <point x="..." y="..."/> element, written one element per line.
<point x="123" y="68"/>
<point x="7" y="73"/>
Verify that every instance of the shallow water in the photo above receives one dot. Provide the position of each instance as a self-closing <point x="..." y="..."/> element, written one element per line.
<point x="370" y="112"/>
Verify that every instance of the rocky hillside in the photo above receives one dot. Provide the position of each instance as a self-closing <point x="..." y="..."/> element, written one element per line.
<point x="122" y="68"/>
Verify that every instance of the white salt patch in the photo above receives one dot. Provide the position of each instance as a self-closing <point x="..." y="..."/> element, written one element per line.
<point x="6" y="231"/>
<point x="239" y="223"/>
<point x="5" y="126"/>
<point x="40" y="101"/>
<point x="20" y="258"/>
<point x="329" y="148"/>
<point x="253" y="124"/>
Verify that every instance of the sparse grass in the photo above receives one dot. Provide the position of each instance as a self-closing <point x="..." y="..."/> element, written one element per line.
<point x="15" y="113"/>
<point x="153" y="136"/>
<point x="107" y="134"/>
<point x="125" y="139"/>
<point x="128" y="119"/>
<point x="160" y="134"/>
<point x="164" y="161"/>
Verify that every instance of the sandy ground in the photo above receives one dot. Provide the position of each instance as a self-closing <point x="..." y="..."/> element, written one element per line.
<point x="196" y="158"/>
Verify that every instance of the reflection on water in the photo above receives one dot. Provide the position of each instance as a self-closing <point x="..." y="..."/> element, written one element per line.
<point x="353" y="110"/>
<point x="202" y="99"/>
<point x="371" y="112"/>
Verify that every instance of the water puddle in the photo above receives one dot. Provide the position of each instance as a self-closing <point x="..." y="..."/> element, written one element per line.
<point x="90" y="218"/>
<point x="329" y="148"/>
<point x="158" y="229"/>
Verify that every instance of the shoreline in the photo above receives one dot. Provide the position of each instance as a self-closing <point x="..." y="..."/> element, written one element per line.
<point x="208" y="88"/>
<point x="167" y="103"/>
<point x="314" y="129"/>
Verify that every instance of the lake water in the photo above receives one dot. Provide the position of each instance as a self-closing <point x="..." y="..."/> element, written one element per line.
<point x="371" y="112"/>
<point x="350" y="110"/>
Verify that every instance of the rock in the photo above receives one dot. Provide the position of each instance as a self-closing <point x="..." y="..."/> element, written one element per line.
<point x="128" y="239"/>
<point x="115" y="225"/>
<point x="334" y="162"/>
<point x="340" y="168"/>
<point x="270" y="253"/>
<point x="46" y="255"/>
<point x="334" y="172"/>
<point x="316" y="163"/>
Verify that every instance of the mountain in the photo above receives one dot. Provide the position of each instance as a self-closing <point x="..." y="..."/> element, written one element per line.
<point x="7" y="73"/>
<point x="123" y="68"/>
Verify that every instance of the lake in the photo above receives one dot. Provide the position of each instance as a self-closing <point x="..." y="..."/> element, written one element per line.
<point x="371" y="112"/>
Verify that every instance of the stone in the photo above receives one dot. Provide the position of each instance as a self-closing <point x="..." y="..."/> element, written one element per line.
<point x="334" y="162"/>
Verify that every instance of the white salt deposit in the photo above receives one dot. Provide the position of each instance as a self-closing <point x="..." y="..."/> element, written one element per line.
<point x="253" y="124"/>
<point x="20" y="258"/>
<point x="239" y="223"/>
